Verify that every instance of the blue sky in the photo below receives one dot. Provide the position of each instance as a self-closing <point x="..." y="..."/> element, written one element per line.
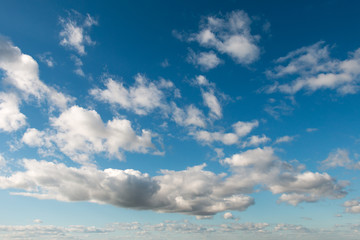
<point x="179" y="120"/>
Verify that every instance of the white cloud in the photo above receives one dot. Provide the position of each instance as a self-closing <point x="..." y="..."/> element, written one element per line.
<point x="47" y="59"/>
<point x="37" y="221"/>
<point x="191" y="191"/>
<point x="284" y="139"/>
<point x="255" y="141"/>
<point x="79" y="133"/>
<point x="262" y="166"/>
<point x="142" y="98"/>
<point x="314" y="69"/>
<point x="22" y="72"/>
<point x="78" y="64"/>
<point x="311" y="129"/>
<point x="228" y="215"/>
<point x="75" y="31"/>
<point x="191" y="116"/>
<point x="229" y="35"/>
<point x="241" y="129"/>
<point x="206" y="60"/>
<point x="11" y="119"/>
<point x="244" y="128"/>
<point x="2" y="161"/>
<point x="352" y="206"/>
<point x="211" y="101"/>
<point x="339" y="158"/>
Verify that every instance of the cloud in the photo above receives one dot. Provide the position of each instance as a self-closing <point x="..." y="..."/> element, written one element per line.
<point x="142" y="98"/>
<point x="206" y="60"/>
<point x="256" y="141"/>
<point x="314" y="69"/>
<point x="211" y="101"/>
<point x="352" y="206"/>
<point x="11" y="119"/>
<point x="47" y="59"/>
<point x="229" y="35"/>
<point x="191" y="191"/>
<point x="228" y="215"/>
<point x="79" y="133"/>
<point x="241" y="129"/>
<point x="284" y="139"/>
<point x="191" y="116"/>
<point x="78" y="64"/>
<point x="262" y="166"/>
<point x="75" y="31"/>
<point x="22" y="72"/>
<point x="339" y="158"/>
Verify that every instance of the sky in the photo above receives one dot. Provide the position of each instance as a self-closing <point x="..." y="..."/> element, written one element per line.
<point x="179" y="119"/>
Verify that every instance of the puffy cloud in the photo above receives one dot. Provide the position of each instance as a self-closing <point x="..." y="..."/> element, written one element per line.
<point x="339" y="158"/>
<point x="314" y="69"/>
<point x="244" y="128"/>
<point x="229" y="35"/>
<point x="11" y="119"/>
<point x="190" y="191"/>
<point x="206" y="60"/>
<point x="228" y="215"/>
<point x="75" y="31"/>
<point x="191" y="116"/>
<point x="22" y="72"/>
<point x="262" y="166"/>
<point x="352" y="206"/>
<point x="193" y="191"/>
<point x="241" y="129"/>
<point x="142" y="98"/>
<point x="80" y="132"/>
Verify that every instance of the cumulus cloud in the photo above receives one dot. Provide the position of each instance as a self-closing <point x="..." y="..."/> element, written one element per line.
<point x="191" y="116"/>
<point x="22" y="72"/>
<point x="231" y="35"/>
<point x="142" y="98"/>
<point x="339" y="158"/>
<point x="79" y="133"/>
<point x="193" y="191"/>
<point x="313" y="69"/>
<point x="241" y="129"/>
<point x="228" y="215"/>
<point x="190" y="191"/>
<point x="211" y="101"/>
<point x="206" y="60"/>
<point x="262" y="166"/>
<point x="352" y="206"/>
<point x="75" y="31"/>
<point x="11" y="119"/>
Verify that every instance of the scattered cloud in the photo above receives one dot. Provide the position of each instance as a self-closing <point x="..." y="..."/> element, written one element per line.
<point x="241" y="129"/>
<point x="80" y="133"/>
<point x="311" y="129"/>
<point x="352" y="206"/>
<point x="314" y="69"/>
<point x="78" y="64"/>
<point x="22" y="72"/>
<point x="75" y="31"/>
<point x="205" y="60"/>
<point x="142" y="98"/>
<point x="11" y="119"/>
<point x="47" y="59"/>
<point x="191" y="116"/>
<point x="229" y="34"/>
<point x="255" y="141"/>
<point x="262" y="166"/>
<point x="228" y="215"/>
<point x="339" y="158"/>
<point x="284" y="139"/>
